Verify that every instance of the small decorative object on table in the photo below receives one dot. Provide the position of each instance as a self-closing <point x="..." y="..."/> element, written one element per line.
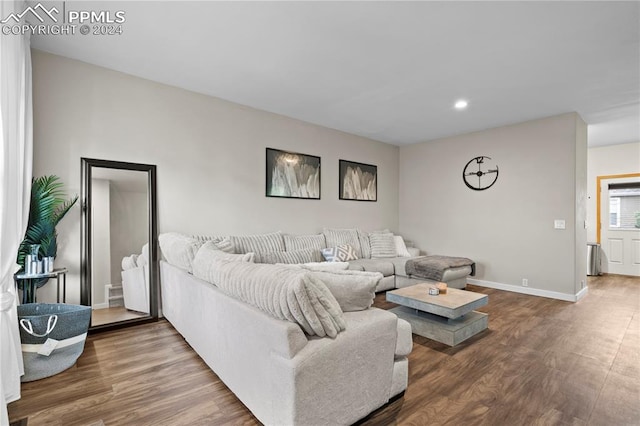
<point x="433" y="291"/>
<point x="442" y="288"/>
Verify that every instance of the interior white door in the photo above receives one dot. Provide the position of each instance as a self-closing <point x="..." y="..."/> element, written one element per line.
<point x="620" y="236"/>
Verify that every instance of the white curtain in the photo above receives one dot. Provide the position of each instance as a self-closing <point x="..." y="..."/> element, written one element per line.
<point x="15" y="187"/>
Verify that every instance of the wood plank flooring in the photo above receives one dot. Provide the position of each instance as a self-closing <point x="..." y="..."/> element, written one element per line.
<point x="541" y="362"/>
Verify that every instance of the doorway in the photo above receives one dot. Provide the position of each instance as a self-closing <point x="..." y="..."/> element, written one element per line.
<point x="619" y="223"/>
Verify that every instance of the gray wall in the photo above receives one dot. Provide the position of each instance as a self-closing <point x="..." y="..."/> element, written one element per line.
<point x="507" y="229"/>
<point x="605" y="161"/>
<point x="210" y="156"/>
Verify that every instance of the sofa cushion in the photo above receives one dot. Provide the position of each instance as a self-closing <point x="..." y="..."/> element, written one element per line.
<point x="385" y="267"/>
<point x="302" y="242"/>
<point x="264" y="243"/>
<point x="354" y="290"/>
<point x="399" y="264"/>
<point x="326" y="266"/>
<point x="341" y="253"/>
<point x="179" y="250"/>
<point x="296" y="256"/>
<point x="285" y="293"/>
<point x="382" y="245"/>
<point x="338" y="237"/>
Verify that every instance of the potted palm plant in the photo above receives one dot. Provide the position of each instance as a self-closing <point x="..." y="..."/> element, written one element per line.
<point x="48" y="206"/>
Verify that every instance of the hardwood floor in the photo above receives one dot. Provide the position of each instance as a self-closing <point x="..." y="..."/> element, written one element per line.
<point x="541" y="362"/>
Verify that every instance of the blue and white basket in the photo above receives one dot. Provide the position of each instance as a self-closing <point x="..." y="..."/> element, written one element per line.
<point x="68" y="324"/>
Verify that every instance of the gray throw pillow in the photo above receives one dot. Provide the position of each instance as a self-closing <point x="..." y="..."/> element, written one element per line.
<point x="382" y="245"/>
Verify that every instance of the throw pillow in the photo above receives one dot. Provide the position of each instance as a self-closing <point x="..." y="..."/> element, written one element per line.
<point x="290" y="257"/>
<point x="179" y="250"/>
<point x="401" y="248"/>
<point x="339" y="237"/>
<point x="265" y="243"/>
<point x="341" y="253"/>
<point x="208" y="257"/>
<point x="354" y="290"/>
<point x="285" y="293"/>
<point x="382" y="245"/>
<point x="222" y="243"/>
<point x="365" y="246"/>
<point x="302" y="242"/>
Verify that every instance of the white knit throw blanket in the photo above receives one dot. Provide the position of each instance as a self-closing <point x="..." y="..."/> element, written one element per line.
<point x="284" y="293"/>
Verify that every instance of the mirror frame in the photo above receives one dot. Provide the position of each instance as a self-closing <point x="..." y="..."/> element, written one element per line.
<point x="87" y="165"/>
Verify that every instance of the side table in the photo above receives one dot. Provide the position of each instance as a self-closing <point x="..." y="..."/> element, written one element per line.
<point x="56" y="273"/>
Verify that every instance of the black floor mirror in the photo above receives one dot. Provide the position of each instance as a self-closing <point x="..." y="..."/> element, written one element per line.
<point x="119" y="264"/>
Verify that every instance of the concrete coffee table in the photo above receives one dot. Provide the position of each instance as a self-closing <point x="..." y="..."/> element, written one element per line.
<point x="447" y="318"/>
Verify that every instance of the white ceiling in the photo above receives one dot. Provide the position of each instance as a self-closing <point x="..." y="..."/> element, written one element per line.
<point x="390" y="71"/>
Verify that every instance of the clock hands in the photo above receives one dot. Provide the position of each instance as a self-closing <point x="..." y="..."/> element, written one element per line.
<point x="481" y="173"/>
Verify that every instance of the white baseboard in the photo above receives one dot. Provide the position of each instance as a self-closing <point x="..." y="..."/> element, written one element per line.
<point x="100" y="305"/>
<point x="530" y="291"/>
<point x="582" y="293"/>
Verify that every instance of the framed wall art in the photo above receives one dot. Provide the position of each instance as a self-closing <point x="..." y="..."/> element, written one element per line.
<point x="357" y="181"/>
<point x="292" y="175"/>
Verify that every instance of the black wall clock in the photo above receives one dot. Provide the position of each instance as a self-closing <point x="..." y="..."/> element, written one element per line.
<point x="480" y="173"/>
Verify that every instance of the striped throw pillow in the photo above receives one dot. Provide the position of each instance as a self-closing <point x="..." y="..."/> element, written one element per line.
<point x="340" y="237"/>
<point x="382" y="245"/>
<point x="365" y="246"/>
<point x="302" y="242"/>
<point x="265" y="243"/>
<point x="290" y="257"/>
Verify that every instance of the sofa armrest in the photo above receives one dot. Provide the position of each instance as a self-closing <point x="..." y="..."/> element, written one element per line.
<point x="352" y="373"/>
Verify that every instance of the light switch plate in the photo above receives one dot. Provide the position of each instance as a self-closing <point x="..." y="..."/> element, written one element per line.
<point x="559" y="224"/>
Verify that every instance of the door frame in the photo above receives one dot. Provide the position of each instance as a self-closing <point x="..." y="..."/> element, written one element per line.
<point x="599" y="180"/>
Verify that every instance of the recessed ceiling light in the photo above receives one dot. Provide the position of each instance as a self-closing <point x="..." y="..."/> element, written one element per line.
<point x="461" y="104"/>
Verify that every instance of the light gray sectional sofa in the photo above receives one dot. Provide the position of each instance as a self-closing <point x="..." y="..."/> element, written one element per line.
<point x="231" y="310"/>
<point x="278" y="247"/>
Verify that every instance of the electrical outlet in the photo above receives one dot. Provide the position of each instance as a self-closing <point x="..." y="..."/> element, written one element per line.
<point x="525" y="282"/>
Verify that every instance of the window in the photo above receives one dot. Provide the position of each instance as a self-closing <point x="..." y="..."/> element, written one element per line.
<point x="624" y="206"/>
<point x="614" y="212"/>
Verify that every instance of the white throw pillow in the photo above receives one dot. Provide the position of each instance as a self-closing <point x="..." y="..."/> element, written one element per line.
<point x="179" y="249"/>
<point x="401" y="248"/>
